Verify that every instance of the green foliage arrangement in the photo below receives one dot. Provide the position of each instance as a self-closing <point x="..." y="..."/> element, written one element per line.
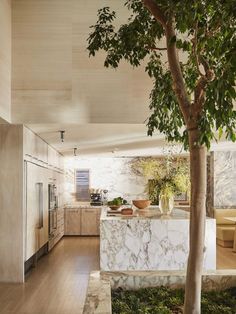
<point x="169" y="175"/>
<point x="118" y="201"/>
<point x="162" y="300"/>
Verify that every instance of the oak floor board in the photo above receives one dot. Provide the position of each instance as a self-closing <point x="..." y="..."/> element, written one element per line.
<point x="58" y="285"/>
<point x="225" y="258"/>
<point x="59" y="282"/>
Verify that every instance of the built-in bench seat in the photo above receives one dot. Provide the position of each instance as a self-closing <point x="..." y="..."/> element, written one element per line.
<point x="224" y="228"/>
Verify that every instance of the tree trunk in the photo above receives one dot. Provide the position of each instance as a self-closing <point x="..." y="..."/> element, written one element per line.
<point x="192" y="303"/>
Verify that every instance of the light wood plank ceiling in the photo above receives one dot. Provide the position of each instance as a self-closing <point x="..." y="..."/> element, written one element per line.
<point x="55" y="85"/>
<point x="54" y="80"/>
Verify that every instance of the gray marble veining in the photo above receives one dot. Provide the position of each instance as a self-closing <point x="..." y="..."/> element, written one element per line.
<point x="224" y="179"/>
<point x="151" y="243"/>
<point x="98" y="299"/>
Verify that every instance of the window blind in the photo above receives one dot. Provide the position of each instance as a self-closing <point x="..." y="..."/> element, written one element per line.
<point x="82" y="184"/>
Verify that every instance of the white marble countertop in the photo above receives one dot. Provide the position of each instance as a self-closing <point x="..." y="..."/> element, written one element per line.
<point x="75" y="206"/>
<point x="150" y="213"/>
<point x="151" y="241"/>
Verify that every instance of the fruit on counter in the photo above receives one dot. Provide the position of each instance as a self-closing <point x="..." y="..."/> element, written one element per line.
<point x="117" y="201"/>
<point x="127" y="211"/>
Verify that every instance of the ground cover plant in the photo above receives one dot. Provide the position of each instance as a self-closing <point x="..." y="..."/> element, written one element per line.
<point x="163" y="300"/>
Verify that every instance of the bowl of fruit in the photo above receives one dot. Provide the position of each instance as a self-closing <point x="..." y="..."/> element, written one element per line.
<point x="116" y="203"/>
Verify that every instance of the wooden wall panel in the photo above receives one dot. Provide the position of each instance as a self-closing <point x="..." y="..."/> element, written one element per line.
<point x="42" y="58"/>
<point x="5" y="59"/>
<point x="11" y="204"/>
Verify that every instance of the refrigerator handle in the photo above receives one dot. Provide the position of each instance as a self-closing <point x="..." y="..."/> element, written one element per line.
<point x="40" y="204"/>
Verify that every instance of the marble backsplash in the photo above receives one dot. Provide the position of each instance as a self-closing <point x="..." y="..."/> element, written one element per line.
<point x="224" y="190"/>
<point x="112" y="174"/>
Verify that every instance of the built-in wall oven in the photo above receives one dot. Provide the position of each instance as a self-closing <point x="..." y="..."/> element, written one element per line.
<point x="52" y="209"/>
<point x="52" y="196"/>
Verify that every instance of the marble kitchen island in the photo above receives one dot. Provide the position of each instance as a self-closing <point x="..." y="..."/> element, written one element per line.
<point x="149" y="241"/>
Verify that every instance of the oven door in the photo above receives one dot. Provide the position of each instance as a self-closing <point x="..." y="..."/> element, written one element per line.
<point x="51" y="196"/>
<point x="52" y="222"/>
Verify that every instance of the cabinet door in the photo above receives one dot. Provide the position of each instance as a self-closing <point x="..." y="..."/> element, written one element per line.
<point x="72" y="222"/>
<point x="41" y="150"/>
<point x="29" y="143"/>
<point x="36" y="209"/>
<point x="43" y="231"/>
<point x="89" y="225"/>
<point x="32" y="212"/>
<point x="61" y="162"/>
<point x="50" y="156"/>
<point x="98" y="220"/>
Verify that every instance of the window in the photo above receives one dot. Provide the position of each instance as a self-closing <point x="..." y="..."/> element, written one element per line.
<point x="82" y="185"/>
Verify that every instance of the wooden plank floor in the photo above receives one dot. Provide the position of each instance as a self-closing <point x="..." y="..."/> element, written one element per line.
<point x="58" y="284"/>
<point x="225" y="258"/>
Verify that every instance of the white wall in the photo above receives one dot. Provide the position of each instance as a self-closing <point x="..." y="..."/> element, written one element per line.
<point x="5" y="60"/>
<point x="113" y="174"/>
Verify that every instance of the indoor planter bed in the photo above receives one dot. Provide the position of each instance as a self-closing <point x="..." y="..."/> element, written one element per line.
<point x="101" y="285"/>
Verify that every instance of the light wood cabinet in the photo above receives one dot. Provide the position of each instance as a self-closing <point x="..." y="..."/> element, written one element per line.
<point x="98" y="220"/>
<point x="39" y="152"/>
<point x="29" y="143"/>
<point x="72" y="221"/>
<point x="41" y="148"/>
<point x="59" y="233"/>
<point x="51" y="156"/>
<point x="35" y="149"/>
<point x="55" y="160"/>
<point x="89" y="221"/>
<point x="82" y="221"/>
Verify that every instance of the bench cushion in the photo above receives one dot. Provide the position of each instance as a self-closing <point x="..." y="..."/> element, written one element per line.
<point x="219" y="215"/>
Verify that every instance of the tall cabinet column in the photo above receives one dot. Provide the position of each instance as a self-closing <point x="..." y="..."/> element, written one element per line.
<point x="11" y="204"/>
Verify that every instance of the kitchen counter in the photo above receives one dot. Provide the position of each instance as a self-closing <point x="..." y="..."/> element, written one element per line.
<point x="150" y="241"/>
<point x="75" y="206"/>
<point x="151" y="213"/>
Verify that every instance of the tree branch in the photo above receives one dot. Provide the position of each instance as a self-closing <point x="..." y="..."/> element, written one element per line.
<point x="176" y="72"/>
<point x="173" y="58"/>
<point x="155" y="48"/>
<point x="209" y="74"/>
<point x="194" y="41"/>
<point x="199" y="92"/>
<point x="156" y="11"/>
